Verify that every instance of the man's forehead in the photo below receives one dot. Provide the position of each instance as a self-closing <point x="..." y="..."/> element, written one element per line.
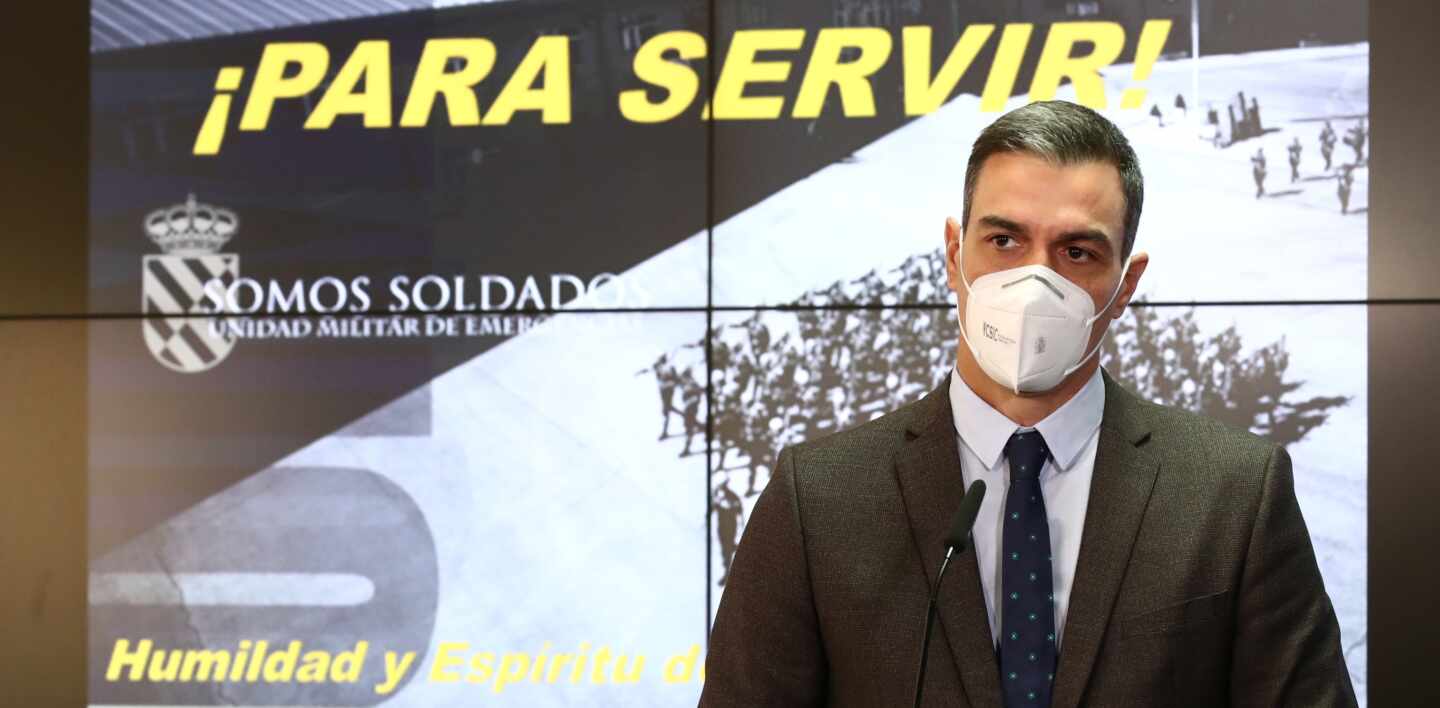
<point x="1030" y="190"/>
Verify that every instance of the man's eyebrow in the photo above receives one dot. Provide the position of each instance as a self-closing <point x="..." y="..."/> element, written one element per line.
<point x="1078" y="235"/>
<point x="1086" y="235"/>
<point x="1002" y="223"/>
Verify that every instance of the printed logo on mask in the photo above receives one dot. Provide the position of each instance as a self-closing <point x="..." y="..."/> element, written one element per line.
<point x="992" y="332"/>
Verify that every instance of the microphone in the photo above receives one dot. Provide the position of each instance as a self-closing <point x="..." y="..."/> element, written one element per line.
<point x="954" y="542"/>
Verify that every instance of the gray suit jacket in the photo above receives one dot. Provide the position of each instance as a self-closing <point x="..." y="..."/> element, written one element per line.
<point x="1196" y="583"/>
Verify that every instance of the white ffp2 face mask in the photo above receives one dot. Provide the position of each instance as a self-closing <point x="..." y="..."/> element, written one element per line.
<point x="1028" y="327"/>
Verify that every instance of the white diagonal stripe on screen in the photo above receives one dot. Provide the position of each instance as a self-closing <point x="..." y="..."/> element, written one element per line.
<point x="185" y="14"/>
<point x="106" y="19"/>
<point x="185" y="278"/>
<point x="230" y="11"/>
<point x="280" y="8"/>
<point x="231" y="589"/>
<point x="157" y="20"/>
<point x="161" y="295"/>
<point x="182" y="351"/>
<point x="175" y="324"/>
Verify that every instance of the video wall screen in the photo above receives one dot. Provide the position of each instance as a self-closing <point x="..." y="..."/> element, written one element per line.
<point x="438" y="351"/>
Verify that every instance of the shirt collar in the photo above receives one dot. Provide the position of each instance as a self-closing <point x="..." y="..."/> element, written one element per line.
<point x="985" y="430"/>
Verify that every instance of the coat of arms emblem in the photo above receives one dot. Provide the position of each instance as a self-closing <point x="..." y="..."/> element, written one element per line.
<point x="186" y="283"/>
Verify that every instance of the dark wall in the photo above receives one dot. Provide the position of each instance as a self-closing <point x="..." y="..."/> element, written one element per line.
<point x="1404" y="351"/>
<point x="42" y="362"/>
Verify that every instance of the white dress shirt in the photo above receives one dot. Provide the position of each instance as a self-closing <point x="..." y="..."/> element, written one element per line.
<point x="1071" y="433"/>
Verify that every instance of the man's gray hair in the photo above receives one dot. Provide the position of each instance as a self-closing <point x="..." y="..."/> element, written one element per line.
<point x="1063" y="133"/>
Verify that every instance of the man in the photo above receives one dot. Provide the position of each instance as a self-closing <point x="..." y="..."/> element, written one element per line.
<point x="667" y="379"/>
<point x="1257" y="170"/>
<point x="1327" y="143"/>
<point x="1126" y="554"/>
<point x="728" y="510"/>
<point x="1344" y="180"/>
<point x="1355" y="138"/>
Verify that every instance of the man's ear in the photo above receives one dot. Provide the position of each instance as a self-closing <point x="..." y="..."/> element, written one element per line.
<point x="1138" y="263"/>
<point x="953" y="239"/>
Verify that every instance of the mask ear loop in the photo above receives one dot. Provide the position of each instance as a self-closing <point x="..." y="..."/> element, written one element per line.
<point x="1118" y="287"/>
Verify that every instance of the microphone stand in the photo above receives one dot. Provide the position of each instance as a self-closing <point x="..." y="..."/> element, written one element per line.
<point x="929" y="626"/>
<point x="957" y="538"/>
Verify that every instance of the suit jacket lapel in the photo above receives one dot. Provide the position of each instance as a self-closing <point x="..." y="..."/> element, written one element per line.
<point x="1124" y="476"/>
<point x="928" y="471"/>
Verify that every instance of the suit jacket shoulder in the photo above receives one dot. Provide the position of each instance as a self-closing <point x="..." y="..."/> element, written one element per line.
<point x="1190" y="434"/>
<point x="844" y="483"/>
<point x="1198" y="455"/>
<point x="1219" y="532"/>
<point x="863" y="452"/>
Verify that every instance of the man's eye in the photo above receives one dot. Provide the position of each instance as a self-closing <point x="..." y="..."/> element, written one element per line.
<point x="1076" y="253"/>
<point x="1002" y="241"/>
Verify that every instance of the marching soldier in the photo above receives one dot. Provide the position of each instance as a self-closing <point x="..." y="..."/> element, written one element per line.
<point x="668" y="380"/>
<point x="1355" y="138"/>
<point x="692" y="393"/>
<point x="1257" y="169"/>
<point x="727" y="509"/>
<point x="1345" y="180"/>
<point x="1327" y="143"/>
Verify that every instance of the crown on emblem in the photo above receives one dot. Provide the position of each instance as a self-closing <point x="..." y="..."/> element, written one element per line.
<point x="191" y="227"/>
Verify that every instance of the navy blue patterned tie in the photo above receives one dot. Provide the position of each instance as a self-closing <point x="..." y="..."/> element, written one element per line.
<point x="1027" y="620"/>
